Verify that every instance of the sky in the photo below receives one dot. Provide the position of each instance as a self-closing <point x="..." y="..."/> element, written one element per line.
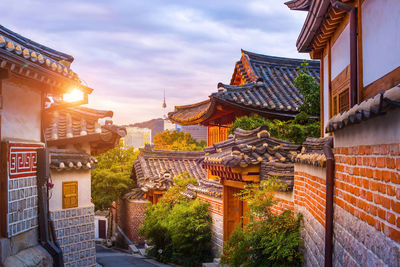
<point x="130" y="51"/>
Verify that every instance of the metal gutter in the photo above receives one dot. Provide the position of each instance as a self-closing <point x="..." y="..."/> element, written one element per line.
<point x="330" y="184"/>
<point x="43" y="174"/>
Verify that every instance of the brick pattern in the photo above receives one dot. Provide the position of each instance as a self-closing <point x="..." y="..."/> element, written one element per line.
<point x="356" y="243"/>
<point x="368" y="185"/>
<point x="309" y="199"/>
<point x="130" y="217"/>
<point x="75" y="235"/>
<point x="216" y="209"/>
<point x="313" y="235"/>
<point x="216" y="205"/>
<point x="310" y="192"/>
<point x="282" y="205"/>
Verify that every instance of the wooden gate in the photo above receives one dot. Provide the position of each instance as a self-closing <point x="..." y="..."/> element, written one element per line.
<point x="233" y="210"/>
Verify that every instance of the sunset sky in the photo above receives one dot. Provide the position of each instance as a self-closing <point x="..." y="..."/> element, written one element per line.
<point x="129" y="51"/>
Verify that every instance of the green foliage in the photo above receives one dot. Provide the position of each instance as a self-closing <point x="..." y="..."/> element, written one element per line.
<point x="174" y="140"/>
<point x="268" y="239"/>
<point x="309" y="89"/>
<point x="248" y="123"/>
<point x="173" y="195"/>
<point x="111" y="178"/>
<point x="302" y="126"/>
<point x="178" y="229"/>
<point x="295" y="131"/>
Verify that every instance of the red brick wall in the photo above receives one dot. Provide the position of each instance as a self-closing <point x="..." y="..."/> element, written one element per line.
<point x="367" y="185"/>
<point x="216" y="205"/>
<point x="310" y="192"/>
<point x="131" y="216"/>
<point x="282" y="205"/>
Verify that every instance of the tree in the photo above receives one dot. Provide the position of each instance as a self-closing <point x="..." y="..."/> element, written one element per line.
<point x="309" y="89"/>
<point x="174" y="140"/>
<point x="178" y="229"/>
<point x="111" y="179"/>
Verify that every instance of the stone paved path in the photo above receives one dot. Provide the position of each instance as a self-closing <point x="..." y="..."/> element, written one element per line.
<point x="108" y="257"/>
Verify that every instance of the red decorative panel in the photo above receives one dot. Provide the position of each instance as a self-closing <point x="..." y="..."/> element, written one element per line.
<point x="22" y="206"/>
<point x="22" y="160"/>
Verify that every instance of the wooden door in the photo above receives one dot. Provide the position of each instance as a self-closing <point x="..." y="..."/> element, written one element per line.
<point x="233" y="210"/>
<point x="102" y="229"/>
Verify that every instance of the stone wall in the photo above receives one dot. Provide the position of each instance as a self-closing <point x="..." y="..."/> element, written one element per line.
<point x="22" y="212"/>
<point x="216" y="208"/>
<point x="74" y="230"/>
<point x="309" y="200"/>
<point x="367" y="204"/>
<point x="130" y="217"/>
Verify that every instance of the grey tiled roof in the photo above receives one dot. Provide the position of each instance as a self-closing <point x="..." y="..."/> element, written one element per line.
<point x="312" y="152"/>
<point x="367" y="109"/>
<point x="64" y="160"/>
<point x="154" y="169"/>
<point x="268" y="82"/>
<point x="250" y="147"/>
<point x="19" y="49"/>
<point x="261" y="84"/>
<point x="245" y="148"/>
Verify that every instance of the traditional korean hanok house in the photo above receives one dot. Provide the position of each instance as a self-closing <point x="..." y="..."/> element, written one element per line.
<point x="260" y="84"/>
<point x="358" y="44"/>
<point x="73" y="136"/>
<point x="153" y="172"/>
<point x="29" y="73"/>
<point x="249" y="157"/>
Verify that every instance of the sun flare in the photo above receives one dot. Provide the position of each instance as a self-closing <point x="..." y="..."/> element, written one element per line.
<point x="73" y="96"/>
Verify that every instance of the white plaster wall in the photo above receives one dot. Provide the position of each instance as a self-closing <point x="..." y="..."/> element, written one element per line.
<point x="288" y="196"/>
<point x="381" y="38"/>
<point x="21" y="112"/>
<point x="84" y="187"/>
<point x="311" y="170"/>
<point x="326" y="93"/>
<point x="340" y="52"/>
<point x="379" y="130"/>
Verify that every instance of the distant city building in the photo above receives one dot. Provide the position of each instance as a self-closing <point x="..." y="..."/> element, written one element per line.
<point x="155" y="125"/>
<point x="198" y="132"/>
<point x="137" y="137"/>
<point x="168" y="125"/>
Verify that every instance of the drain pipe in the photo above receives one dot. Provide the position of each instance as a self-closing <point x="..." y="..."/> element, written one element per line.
<point x="353" y="48"/>
<point x="43" y="174"/>
<point x="330" y="183"/>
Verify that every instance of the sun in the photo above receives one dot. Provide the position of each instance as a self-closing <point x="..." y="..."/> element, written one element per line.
<point x="73" y="96"/>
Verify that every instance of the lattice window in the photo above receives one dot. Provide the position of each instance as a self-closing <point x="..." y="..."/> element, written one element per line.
<point x="344" y="100"/>
<point x="341" y="92"/>
<point x="70" y="194"/>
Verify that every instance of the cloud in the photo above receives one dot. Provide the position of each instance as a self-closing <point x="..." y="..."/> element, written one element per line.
<point x="130" y="51"/>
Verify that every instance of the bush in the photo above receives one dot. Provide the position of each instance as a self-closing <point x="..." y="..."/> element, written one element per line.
<point x="303" y="125"/>
<point x="178" y="229"/>
<point x="268" y="239"/>
<point x="295" y="131"/>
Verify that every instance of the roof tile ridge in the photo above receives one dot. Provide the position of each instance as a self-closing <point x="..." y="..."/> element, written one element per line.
<point x="248" y="66"/>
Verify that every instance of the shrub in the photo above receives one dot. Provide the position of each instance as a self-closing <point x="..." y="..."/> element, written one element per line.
<point x="178" y="229"/>
<point x="303" y="125"/>
<point x="295" y="131"/>
<point x="268" y="239"/>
